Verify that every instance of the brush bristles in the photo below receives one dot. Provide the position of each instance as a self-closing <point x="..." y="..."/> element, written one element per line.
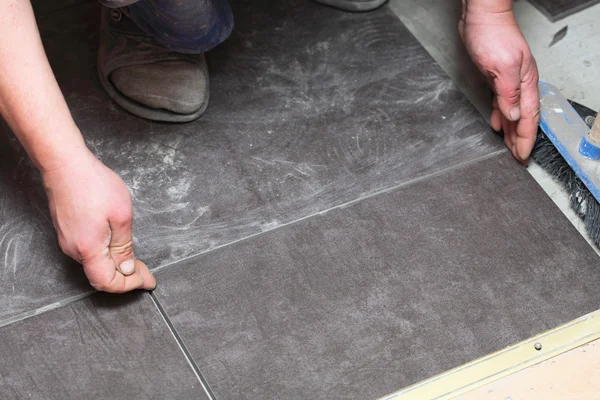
<point x="582" y="201"/>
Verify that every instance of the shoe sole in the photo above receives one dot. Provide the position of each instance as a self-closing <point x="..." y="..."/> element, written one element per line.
<point x="153" y="114"/>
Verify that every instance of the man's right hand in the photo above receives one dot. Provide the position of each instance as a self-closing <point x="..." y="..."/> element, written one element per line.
<point x="92" y="214"/>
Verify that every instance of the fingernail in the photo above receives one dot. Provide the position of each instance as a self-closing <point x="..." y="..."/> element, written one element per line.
<point x="523" y="155"/>
<point x="515" y="113"/>
<point x="150" y="289"/>
<point x="127" y="267"/>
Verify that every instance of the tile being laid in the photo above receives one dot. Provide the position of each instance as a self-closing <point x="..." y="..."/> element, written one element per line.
<point x="98" y="348"/>
<point x="369" y="298"/>
<point x="310" y="107"/>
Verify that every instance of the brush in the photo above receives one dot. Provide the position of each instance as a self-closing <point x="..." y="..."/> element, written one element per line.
<point x="568" y="148"/>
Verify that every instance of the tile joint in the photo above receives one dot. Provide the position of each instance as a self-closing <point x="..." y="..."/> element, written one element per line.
<point x="183" y="347"/>
<point x="72" y="299"/>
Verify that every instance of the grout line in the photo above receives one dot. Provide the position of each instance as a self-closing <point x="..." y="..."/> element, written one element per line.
<point x="340" y="206"/>
<point x="41" y="310"/>
<point x="183" y="347"/>
<point x="64" y="302"/>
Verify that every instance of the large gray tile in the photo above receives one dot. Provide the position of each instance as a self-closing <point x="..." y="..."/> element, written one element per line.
<point x="103" y="347"/>
<point x="372" y="297"/>
<point x="33" y="270"/>
<point x="311" y="107"/>
<point x="558" y="9"/>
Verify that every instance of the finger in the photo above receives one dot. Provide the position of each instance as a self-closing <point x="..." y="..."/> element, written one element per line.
<point x="512" y="126"/>
<point x="103" y="276"/>
<point x="121" y="242"/>
<point x="527" y="127"/>
<point x="496" y="118"/>
<point x="509" y="134"/>
<point x="512" y="134"/>
<point x="506" y="132"/>
<point x="507" y="86"/>
<point x="149" y="281"/>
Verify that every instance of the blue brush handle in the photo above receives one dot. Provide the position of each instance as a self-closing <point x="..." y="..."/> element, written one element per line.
<point x="565" y="128"/>
<point x="589" y="149"/>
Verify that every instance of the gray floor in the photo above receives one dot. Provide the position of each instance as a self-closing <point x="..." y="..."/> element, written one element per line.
<point x="388" y="291"/>
<point x="371" y="230"/>
<point x="355" y="105"/>
<point x="570" y="64"/>
<point x="102" y="347"/>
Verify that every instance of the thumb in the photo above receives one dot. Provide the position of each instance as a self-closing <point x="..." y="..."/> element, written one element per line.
<point x="121" y="243"/>
<point x="507" y="85"/>
<point x="100" y="271"/>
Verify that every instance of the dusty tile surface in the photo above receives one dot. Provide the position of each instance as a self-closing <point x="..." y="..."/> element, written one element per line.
<point x="557" y="9"/>
<point x="33" y="270"/>
<point x="310" y="107"/>
<point x="367" y="299"/>
<point x="109" y="347"/>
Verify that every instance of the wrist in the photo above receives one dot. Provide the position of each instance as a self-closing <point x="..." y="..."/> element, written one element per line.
<point x="487" y="6"/>
<point x="64" y="150"/>
<point x="478" y="17"/>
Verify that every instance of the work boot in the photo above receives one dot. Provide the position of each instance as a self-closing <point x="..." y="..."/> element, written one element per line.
<point x="147" y="79"/>
<point x="354" y="5"/>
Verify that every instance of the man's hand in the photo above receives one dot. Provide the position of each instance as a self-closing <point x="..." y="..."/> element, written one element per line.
<point x="90" y="204"/>
<point x="92" y="214"/>
<point x="501" y="53"/>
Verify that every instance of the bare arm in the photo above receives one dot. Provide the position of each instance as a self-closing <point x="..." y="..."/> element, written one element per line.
<point x="30" y="99"/>
<point x="90" y="205"/>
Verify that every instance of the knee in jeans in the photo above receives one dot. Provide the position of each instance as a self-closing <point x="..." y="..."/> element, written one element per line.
<point x="190" y="27"/>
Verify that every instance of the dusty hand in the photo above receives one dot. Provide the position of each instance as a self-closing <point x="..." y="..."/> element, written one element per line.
<point x="92" y="214"/>
<point x="501" y="53"/>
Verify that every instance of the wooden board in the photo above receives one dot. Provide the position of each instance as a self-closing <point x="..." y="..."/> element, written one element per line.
<point x="574" y="375"/>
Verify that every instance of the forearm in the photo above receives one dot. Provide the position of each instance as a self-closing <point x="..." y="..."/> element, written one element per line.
<point x="30" y="98"/>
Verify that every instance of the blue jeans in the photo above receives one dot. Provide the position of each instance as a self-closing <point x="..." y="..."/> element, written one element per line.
<point x="188" y="26"/>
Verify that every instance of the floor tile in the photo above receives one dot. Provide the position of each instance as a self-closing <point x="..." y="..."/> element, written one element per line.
<point x="310" y="107"/>
<point x="33" y="270"/>
<point x="369" y="298"/>
<point x="558" y="9"/>
<point x="103" y="347"/>
<point x="433" y="23"/>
